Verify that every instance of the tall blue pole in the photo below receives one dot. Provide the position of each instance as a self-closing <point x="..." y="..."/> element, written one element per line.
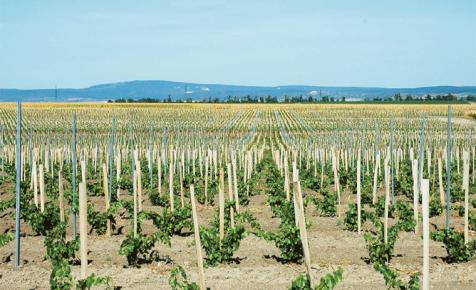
<point x="18" y="179"/>
<point x="132" y="164"/>
<point x="73" y="165"/>
<point x="448" y="172"/>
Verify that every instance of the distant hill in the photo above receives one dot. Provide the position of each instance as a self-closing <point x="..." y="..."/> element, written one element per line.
<point x="181" y="90"/>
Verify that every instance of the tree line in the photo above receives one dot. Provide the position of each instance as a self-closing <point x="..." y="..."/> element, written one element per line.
<point x="445" y="98"/>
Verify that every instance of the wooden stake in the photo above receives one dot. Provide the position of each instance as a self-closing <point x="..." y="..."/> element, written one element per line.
<point x="221" y="200"/>
<point x="135" y="204"/>
<point x="286" y="178"/>
<point x="171" y="186"/>
<point x="322" y="168"/>
<point x="295" y="202"/>
<point x="106" y="196"/>
<point x="466" y="194"/>
<point x="425" y="188"/>
<point x="387" y="200"/>
<point x="83" y="171"/>
<point x="235" y="183"/>
<point x="473" y="169"/>
<point x="415" y="193"/>
<point x="83" y="229"/>
<point x="376" y="169"/>
<point x="206" y="179"/>
<point x="440" y="181"/>
<point x="182" y="198"/>
<point x="230" y="194"/>
<point x="35" y="183"/>
<point x="139" y="186"/>
<point x="198" y="244"/>
<point x="336" y="176"/>
<point x="42" y="188"/>
<point x="359" y="225"/>
<point x="159" y="175"/>
<point x="302" y="225"/>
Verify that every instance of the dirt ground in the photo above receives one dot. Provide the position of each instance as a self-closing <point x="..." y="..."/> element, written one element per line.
<point x="330" y="246"/>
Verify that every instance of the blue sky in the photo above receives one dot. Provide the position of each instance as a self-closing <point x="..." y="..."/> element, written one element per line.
<point x="403" y="43"/>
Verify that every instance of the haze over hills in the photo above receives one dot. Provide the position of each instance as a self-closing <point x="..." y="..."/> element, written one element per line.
<point x="159" y="89"/>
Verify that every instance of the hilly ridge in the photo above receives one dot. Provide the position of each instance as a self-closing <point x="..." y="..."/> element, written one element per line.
<point x="160" y="89"/>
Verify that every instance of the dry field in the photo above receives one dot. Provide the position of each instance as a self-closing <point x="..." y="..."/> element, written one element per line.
<point x="175" y="146"/>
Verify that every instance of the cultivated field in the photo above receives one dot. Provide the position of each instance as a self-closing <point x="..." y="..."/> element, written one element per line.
<point x="279" y="191"/>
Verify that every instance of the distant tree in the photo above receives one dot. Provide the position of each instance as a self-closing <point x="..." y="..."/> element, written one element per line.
<point x="271" y="99"/>
<point x="452" y="97"/>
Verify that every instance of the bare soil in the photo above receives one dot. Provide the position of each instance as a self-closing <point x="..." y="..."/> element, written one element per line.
<point x="331" y="246"/>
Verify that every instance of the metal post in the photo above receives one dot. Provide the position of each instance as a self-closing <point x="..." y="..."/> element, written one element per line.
<point x="420" y="153"/>
<point x="133" y="165"/>
<point x="18" y="179"/>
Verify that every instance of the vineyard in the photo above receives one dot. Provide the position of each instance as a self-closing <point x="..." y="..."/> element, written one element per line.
<point x="236" y="196"/>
